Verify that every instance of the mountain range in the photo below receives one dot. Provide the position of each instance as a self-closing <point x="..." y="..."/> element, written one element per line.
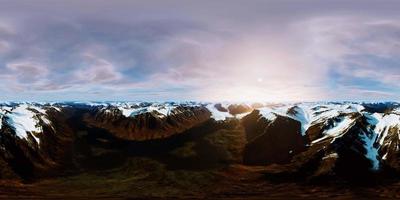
<point x="322" y="142"/>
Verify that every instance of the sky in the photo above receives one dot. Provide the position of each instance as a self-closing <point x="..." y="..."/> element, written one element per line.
<point x="224" y="50"/>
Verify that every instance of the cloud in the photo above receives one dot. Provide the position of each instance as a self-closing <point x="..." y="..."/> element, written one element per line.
<point x="355" y="51"/>
<point x="23" y="75"/>
<point x="97" y="56"/>
<point x="96" y="70"/>
<point x="4" y="46"/>
<point x="198" y="51"/>
<point x="28" y="70"/>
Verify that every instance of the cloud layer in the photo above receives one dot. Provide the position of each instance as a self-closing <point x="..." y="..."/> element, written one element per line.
<point x="179" y="50"/>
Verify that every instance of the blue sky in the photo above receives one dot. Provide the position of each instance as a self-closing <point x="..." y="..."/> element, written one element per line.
<point x="300" y="50"/>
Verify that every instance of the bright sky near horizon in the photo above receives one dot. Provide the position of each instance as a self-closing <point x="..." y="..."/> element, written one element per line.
<point x="298" y="50"/>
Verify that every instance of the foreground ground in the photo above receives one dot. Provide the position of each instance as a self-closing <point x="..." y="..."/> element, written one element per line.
<point x="149" y="179"/>
<point x="205" y="163"/>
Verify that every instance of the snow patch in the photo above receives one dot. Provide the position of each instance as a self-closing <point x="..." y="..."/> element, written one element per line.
<point x="24" y="120"/>
<point x="219" y="115"/>
<point x="130" y="110"/>
<point x="216" y="114"/>
<point x="303" y="117"/>
<point x="339" y="127"/>
<point x="372" y="152"/>
<point x="383" y="123"/>
<point x="268" y="113"/>
<point x="332" y="155"/>
<point x="240" y="116"/>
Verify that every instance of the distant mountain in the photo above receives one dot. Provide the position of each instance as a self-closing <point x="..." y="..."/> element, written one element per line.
<point x="308" y="140"/>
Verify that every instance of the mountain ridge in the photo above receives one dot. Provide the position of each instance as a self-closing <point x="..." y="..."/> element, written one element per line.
<point x="44" y="136"/>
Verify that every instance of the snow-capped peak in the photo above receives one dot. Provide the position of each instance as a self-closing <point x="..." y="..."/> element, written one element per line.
<point x="24" y="118"/>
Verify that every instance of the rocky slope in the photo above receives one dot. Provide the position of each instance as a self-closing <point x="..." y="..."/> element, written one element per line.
<point x="146" y="121"/>
<point x="347" y="139"/>
<point x="308" y="140"/>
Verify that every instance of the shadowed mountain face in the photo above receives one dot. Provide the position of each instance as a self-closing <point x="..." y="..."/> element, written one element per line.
<point x="274" y="143"/>
<point x="289" y="142"/>
<point x="148" y="124"/>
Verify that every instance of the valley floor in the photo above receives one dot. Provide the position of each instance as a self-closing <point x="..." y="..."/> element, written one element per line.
<point x="155" y="182"/>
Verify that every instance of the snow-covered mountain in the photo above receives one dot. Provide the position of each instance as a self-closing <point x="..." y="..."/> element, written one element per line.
<point x="43" y="135"/>
<point x="373" y="125"/>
